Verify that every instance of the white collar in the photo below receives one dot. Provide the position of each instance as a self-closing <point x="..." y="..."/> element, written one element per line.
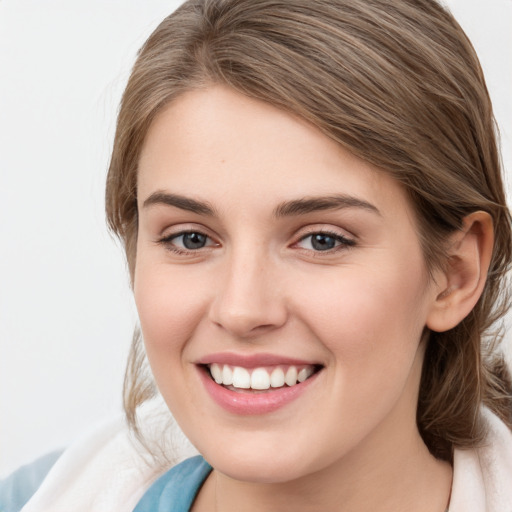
<point x="106" y="471"/>
<point x="482" y="477"/>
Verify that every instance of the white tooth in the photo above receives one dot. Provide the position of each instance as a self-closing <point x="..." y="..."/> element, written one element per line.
<point x="260" y="379"/>
<point x="291" y="376"/>
<point x="277" y="378"/>
<point x="227" y="375"/>
<point x="304" y="374"/>
<point x="241" y="378"/>
<point x="216" y="373"/>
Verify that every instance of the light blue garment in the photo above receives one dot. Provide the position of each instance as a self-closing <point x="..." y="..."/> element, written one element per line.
<point x="176" y="490"/>
<point x="18" y="488"/>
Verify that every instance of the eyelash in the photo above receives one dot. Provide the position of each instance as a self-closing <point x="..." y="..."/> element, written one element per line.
<point x="343" y="242"/>
<point x="168" y="240"/>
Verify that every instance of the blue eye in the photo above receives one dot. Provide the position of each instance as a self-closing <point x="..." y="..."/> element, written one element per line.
<point x="187" y="241"/>
<point x="323" y="242"/>
<point x="193" y="240"/>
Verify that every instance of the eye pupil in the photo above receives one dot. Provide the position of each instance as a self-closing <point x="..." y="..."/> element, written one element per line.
<point x="194" y="240"/>
<point x="322" y="242"/>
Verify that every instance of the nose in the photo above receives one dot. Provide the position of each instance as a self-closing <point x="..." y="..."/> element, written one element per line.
<point x="249" y="300"/>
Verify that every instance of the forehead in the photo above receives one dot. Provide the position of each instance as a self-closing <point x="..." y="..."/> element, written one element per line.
<point x="216" y="143"/>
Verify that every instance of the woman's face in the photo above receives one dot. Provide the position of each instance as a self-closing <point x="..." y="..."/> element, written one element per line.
<point x="267" y="254"/>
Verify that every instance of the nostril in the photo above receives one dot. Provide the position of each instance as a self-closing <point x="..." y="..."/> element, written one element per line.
<point x="246" y="326"/>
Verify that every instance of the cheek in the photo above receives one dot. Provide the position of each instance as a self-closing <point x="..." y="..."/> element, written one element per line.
<point x="371" y="321"/>
<point x="170" y="306"/>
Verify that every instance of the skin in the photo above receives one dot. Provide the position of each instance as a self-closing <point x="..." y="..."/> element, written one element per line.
<point x="350" y="441"/>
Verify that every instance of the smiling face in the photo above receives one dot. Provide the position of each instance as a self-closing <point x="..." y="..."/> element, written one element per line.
<point x="265" y="249"/>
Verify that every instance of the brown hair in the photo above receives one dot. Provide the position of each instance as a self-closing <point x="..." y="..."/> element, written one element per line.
<point x="397" y="83"/>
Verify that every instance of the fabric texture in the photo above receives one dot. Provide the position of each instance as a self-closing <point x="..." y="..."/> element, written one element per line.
<point x="176" y="490"/>
<point x="482" y="478"/>
<point x="106" y="471"/>
<point x="17" y="489"/>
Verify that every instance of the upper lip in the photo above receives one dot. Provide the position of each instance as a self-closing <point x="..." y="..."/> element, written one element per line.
<point x="252" y="360"/>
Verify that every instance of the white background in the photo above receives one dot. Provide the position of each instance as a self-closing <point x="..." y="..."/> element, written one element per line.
<point x="66" y="313"/>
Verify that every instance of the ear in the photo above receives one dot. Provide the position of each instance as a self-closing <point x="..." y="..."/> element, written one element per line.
<point x="461" y="283"/>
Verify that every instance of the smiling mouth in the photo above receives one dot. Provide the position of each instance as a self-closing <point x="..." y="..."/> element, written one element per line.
<point x="261" y="379"/>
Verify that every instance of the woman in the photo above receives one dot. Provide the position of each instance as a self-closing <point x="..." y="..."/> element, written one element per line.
<point x="310" y="198"/>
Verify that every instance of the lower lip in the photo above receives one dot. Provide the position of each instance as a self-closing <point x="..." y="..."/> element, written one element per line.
<point x="248" y="403"/>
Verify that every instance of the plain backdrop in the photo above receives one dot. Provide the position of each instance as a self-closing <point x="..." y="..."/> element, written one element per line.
<point x="66" y="312"/>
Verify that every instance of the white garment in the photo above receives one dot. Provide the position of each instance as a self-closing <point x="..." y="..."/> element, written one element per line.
<point x="482" y="478"/>
<point x="105" y="472"/>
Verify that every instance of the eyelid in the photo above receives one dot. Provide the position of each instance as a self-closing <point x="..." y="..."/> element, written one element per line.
<point x="174" y="236"/>
<point x="180" y="228"/>
<point x="167" y="239"/>
<point x="345" y="241"/>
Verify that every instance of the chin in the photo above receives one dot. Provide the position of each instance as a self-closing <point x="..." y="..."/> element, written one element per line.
<point x="262" y="470"/>
<point x="263" y="463"/>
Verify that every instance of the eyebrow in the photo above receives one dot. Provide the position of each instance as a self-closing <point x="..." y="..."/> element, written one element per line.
<point x="294" y="207"/>
<point x="314" y="204"/>
<point x="182" y="202"/>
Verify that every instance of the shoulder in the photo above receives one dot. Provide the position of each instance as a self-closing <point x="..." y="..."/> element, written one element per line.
<point x="482" y="476"/>
<point x="176" y="489"/>
<point x="105" y="469"/>
<point x="19" y="487"/>
<point x="102" y="470"/>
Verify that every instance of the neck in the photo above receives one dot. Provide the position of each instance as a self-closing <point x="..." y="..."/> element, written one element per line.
<point x="403" y="477"/>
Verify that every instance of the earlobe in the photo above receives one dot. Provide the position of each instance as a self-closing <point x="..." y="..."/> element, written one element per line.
<point x="465" y="274"/>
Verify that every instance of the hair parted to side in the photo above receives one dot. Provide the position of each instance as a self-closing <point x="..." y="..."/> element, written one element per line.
<point x="397" y="83"/>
